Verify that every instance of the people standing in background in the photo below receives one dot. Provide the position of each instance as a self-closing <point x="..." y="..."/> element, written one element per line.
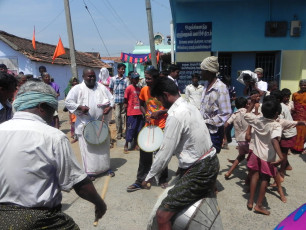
<point x="232" y="94"/>
<point x="134" y="121"/>
<point x="193" y="92"/>
<point x="174" y="73"/>
<point x="272" y="86"/>
<point x="8" y="84"/>
<point x="262" y="85"/>
<point x="42" y="69"/>
<point x="72" y="117"/>
<point x="299" y="114"/>
<point x="215" y="101"/>
<point x="47" y="79"/>
<point x="117" y="87"/>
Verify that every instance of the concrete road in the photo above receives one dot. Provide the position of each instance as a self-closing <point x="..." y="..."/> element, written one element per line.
<point x="131" y="211"/>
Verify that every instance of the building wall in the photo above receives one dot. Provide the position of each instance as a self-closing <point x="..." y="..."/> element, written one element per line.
<point x="238" y="26"/>
<point x="60" y="73"/>
<point x="293" y="69"/>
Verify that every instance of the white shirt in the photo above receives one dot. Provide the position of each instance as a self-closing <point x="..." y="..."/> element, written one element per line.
<point x="185" y="135"/>
<point x="262" y="85"/>
<point x="194" y="94"/>
<point x="36" y="162"/>
<point x="240" y="125"/>
<point x="175" y="81"/>
<point x="285" y="114"/>
<point x="82" y="95"/>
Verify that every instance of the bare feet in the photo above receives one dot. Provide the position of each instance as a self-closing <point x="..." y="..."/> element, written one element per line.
<point x="164" y="185"/>
<point x="125" y="150"/>
<point x="73" y="141"/>
<point x="289" y="168"/>
<point x="231" y="161"/>
<point x="261" y="210"/>
<point x="282" y="195"/>
<point x="226" y="176"/>
<point x="250" y="206"/>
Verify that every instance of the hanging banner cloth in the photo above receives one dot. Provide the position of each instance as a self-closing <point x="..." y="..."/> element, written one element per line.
<point x="137" y="58"/>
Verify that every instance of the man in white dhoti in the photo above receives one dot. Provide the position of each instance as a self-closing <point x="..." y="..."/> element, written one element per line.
<point x="91" y="101"/>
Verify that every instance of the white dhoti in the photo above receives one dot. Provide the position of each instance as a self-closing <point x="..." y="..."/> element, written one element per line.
<point x="96" y="158"/>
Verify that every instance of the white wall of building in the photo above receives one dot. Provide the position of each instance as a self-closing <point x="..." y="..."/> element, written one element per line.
<point x="60" y="73"/>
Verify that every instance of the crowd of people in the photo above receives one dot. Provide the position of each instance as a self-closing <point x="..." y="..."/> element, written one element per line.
<point x="267" y="127"/>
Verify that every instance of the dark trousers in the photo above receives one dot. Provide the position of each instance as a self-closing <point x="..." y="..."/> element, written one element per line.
<point x="228" y="133"/>
<point x="217" y="138"/>
<point x="145" y="162"/>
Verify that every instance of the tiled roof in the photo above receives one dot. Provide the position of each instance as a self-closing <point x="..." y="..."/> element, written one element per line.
<point x="115" y="59"/>
<point x="44" y="52"/>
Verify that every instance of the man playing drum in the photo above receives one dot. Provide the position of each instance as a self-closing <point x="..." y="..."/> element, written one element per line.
<point x="186" y="136"/>
<point x="91" y="101"/>
<point x="36" y="163"/>
<point x="156" y="115"/>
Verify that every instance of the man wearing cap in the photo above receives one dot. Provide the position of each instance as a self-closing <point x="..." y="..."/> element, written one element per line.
<point x="134" y="121"/>
<point x="215" y="102"/>
<point x="37" y="162"/>
<point x="91" y="101"/>
<point x="262" y="85"/>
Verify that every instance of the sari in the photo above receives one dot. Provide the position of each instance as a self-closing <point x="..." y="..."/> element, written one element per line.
<point x="299" y="114"/>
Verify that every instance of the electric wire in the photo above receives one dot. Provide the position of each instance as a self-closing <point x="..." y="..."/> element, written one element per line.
<point x="96" y="28"/>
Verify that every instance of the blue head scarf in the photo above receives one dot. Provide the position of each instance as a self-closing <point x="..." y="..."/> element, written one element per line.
<point x="32" y="98"/>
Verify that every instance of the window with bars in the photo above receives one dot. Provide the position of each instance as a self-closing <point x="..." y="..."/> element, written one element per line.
<point x="267" y="62"/>
<point x="225" y="64"/>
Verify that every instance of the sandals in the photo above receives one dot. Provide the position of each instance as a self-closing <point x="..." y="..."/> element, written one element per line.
<point x="134" y="187"/>
<point x="110" y="173"/>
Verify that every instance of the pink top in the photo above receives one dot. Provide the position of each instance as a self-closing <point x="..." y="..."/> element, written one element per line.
<point x="131" y="94"/>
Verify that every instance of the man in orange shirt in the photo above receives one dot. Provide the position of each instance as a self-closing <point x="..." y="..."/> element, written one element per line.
<point x="155" y="114"/>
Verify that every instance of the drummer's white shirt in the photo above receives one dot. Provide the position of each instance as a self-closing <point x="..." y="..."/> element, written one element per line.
<point x="36" y="162"/>
<point x="73" y="101"/>
<point x="185" y="135"/>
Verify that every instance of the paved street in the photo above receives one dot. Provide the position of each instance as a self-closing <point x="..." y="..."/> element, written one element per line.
<point x="130" y="211"/>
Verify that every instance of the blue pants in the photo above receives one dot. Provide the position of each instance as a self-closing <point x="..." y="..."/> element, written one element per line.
<point x="134" y="124"/>
<point x="217" y="138"/>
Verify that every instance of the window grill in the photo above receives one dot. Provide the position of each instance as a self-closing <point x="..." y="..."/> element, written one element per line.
<point x="225" y="64"/>
<point x="267" y="62"/>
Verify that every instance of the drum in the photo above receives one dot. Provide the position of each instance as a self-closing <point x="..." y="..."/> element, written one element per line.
<point x="202" y="215"/>
<point x="95" y="132"/>
<point x="150" y="138"/>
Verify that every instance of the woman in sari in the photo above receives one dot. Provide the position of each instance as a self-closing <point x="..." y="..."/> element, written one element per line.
<point x="299" y="114"/>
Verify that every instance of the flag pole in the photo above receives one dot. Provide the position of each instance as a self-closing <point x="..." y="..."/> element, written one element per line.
<point x="74" y="70"/>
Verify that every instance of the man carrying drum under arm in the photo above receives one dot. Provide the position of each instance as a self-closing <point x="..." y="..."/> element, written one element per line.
<point x="155" y="114"/>
<point x="186" y="136"/>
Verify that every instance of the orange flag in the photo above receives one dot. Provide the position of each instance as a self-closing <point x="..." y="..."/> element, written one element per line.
<point x="33" y="40"/>
<point x="60" y="50"/>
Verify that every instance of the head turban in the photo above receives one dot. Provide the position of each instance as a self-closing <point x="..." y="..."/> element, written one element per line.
<point x="260" y="70"/>
<point x="31" y="99"/>
<point x="211" y="64"/>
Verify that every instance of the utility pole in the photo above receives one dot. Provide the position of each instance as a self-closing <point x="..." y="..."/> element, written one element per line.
<point x="151" y="35"/>
<point x="74" y="70"/>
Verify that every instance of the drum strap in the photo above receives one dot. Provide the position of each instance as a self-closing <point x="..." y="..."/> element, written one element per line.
<point x="205" y="154"/>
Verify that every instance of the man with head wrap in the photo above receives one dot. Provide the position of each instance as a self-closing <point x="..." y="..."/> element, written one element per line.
<point x="91" y="101"/>
<point x="215" y="102"/>
<point x="37" y="162"/>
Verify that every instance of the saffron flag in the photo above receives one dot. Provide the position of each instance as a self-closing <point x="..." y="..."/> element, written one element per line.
<point x="33" y="40"/>
<point x="59" y="50"/>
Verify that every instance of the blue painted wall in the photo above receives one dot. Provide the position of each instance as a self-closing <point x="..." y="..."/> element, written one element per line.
<point x="240" y="25"/>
